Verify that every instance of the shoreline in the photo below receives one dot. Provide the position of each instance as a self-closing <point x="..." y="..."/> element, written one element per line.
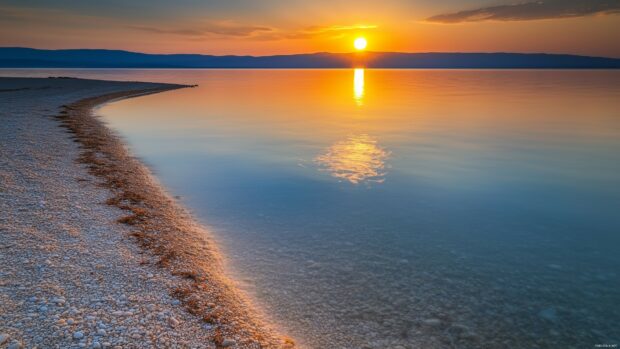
<point x="178" y="246"/>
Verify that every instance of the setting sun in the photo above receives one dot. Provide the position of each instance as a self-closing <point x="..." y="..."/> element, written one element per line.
<point x="360" y="44"/>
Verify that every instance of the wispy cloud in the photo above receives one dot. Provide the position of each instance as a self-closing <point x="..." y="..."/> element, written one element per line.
<point x="227" y="29"/>
<point x="217" y="29"/>
<point x="532" y="10"/>
<point x="330" y="31"/>
<point x="37" y="16"/>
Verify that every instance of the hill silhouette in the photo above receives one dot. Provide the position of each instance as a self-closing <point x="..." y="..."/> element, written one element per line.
<point x="18" y="57"/>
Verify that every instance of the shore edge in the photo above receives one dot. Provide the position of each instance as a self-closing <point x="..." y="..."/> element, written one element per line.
<point x="163" y="227"/>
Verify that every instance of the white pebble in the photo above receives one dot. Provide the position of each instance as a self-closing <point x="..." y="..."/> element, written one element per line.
<point x="173" y="322"/>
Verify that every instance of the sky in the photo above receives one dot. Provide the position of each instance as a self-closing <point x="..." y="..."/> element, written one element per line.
<point x="266" y="27"/>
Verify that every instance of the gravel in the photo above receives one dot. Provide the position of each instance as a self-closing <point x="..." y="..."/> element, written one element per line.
<point x="70" y="275"/>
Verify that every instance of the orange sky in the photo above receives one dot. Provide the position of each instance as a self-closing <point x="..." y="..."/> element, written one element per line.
<point x="296" y="26"/>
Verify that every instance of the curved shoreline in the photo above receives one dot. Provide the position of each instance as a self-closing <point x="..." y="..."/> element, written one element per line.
<point x="54" y="212"/>
<point x="166" y="229"/>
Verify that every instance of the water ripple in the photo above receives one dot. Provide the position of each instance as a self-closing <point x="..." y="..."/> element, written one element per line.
<point x="357" y="159"/>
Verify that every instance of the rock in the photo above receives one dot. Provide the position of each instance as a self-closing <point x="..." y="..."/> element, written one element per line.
<point x="227" y="342"/>
<point x="549" y="314"/>
<point x="432" y="322"/>
<point x="101" y="332"/>
<point x="78" y="335"/>
<point x="4" y="337"/>
<point x="70" y="321"/>
<point x="173" y="322"/>
<point x="468" y="335"/>
<point x="14" y="345"/>
<point x="96" y="345"/>
<point x="460" y="328"/>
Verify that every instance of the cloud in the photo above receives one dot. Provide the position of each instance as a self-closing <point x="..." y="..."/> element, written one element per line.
<point x="229" y="29"/>
<point x="213" y="29"/>
<point x="532" y="10"/>
<point x="37" y="16"/>
<point x="330" y="31"/>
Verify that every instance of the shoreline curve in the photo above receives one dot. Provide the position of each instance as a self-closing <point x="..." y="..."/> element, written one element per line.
<point x="166" y="229"/>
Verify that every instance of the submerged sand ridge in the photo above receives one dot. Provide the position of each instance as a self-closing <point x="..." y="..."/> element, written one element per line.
<point x="73" y="204"/>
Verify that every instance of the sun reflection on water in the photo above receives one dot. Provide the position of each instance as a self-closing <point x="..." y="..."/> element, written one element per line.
<point x="358" y="86"/>
<point x="357" y="159"/>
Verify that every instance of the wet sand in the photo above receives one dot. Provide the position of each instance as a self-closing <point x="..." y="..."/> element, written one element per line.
<point x="94" y="252"/>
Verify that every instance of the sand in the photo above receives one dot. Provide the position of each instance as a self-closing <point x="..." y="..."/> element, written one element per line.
<point x="93" y="251"/>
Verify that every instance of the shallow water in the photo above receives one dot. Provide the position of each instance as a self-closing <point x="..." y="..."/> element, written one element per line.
<point x="378" y="208"/>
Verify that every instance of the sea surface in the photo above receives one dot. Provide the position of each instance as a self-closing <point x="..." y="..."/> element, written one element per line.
<point x="399" y="208"/>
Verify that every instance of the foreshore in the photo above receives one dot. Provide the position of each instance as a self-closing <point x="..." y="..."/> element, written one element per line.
<point x="93" y="252"/>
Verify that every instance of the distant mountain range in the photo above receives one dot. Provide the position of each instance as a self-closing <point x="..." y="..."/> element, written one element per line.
<point x="17" y="57"/>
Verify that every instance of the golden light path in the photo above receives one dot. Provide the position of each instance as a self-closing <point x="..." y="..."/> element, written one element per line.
<point x="357" y="159"/>
<point x="358" y="86"/>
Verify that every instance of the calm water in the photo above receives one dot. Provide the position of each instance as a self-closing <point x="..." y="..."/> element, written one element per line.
<point x="426" y="209"/>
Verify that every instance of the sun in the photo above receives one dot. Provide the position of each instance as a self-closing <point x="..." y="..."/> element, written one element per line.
<point x="360" y="44"/>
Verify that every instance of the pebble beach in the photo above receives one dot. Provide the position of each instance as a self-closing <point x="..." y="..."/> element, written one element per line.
<point x="93" y="252"/>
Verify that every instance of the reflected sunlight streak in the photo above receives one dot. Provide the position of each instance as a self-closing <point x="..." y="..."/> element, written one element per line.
<point x="358" y="86"/>
<point x="357" y="159"/>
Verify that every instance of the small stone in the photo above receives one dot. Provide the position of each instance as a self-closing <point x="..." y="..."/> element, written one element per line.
<point x="549" y="314"/>
<point x="4" y="337"/>
<point x="14" y="345"/>
<point x="101" y="332"/>
<point x="96" y="345"/>
<point x="173" y="322"/>
<point x="460" y="328"/>
<point x="227" y="342"/>
<point x="43" y="308"/>
<point x="149" y="275"/>
<point x="70" y="321"/>
<point x="175" y="302"/>
<point x="78" y="335"/>
<point x="468" y="335"/>
<point x="432" y="322"/>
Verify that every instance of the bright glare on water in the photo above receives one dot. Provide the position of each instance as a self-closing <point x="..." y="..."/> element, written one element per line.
<point x="377" y="208"/>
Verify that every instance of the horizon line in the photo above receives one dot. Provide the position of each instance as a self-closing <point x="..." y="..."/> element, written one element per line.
<point x="308" y="53"/>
